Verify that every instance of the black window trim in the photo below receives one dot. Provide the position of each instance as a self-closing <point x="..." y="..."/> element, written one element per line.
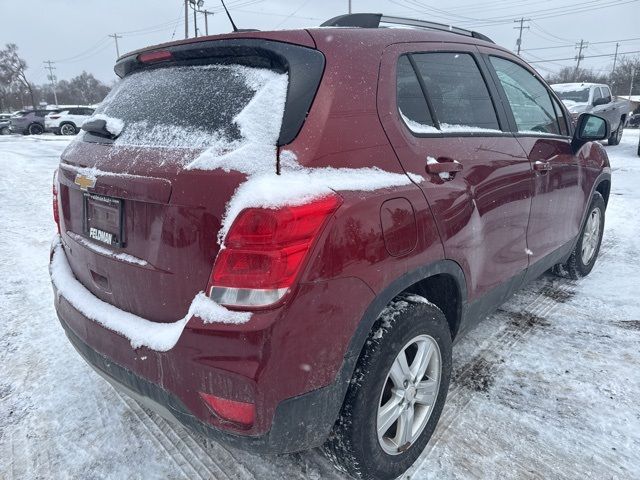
<point x="493" y="95"/>
<point x="509" y="111"/>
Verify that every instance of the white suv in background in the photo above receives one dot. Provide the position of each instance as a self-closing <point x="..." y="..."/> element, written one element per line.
<point x="68" y="121"/>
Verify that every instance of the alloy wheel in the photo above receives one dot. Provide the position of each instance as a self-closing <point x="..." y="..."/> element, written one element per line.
<point x="67" y="129"/>
<point x="409" y="394"/>
<point x="591" y="236"/>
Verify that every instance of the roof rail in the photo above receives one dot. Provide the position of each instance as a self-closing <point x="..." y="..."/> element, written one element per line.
<point x="373" y="20"/>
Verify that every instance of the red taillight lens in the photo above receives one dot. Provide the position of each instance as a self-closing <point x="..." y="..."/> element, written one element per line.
<point x="240" y="412"/>
<point x="264" y="251"/>
<point x="271" y="269"/>
<point x="157" y="56"/>
<point x="56" y="213"/>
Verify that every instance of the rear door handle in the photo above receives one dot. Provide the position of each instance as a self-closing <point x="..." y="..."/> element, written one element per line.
<point x="443" y="165"/>
<point x="539" y="166"/>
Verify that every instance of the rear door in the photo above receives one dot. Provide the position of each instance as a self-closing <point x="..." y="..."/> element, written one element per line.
<point x="437" y="108"/>
<point x="542" y="130"/>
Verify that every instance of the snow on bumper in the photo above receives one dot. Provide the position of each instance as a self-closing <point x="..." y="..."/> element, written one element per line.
<point x="139" y="331"/>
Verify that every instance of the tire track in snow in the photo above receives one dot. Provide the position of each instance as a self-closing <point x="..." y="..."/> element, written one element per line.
<point x="491" y="355"/>
<point x="187" y="455"/>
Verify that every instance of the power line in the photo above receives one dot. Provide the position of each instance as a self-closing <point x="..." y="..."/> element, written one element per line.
<point x="584" y="56"/>
<point x="630" y="40"/>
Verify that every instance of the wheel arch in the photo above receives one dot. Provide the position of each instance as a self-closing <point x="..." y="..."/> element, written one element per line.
<point x="434" y="277"/>
<point x="433" y="281"/>
<point x="603" y="187"/>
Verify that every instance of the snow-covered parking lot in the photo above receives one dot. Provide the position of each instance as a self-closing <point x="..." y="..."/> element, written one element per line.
<point x="548" y="387"/>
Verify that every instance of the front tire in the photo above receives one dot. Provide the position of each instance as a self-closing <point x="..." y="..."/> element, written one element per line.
<point x="585" y="253"/>
<point x="397" y="392"/>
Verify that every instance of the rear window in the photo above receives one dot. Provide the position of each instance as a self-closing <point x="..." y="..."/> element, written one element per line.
<point x="186" y="106"/>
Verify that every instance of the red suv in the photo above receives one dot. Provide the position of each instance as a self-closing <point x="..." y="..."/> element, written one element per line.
<point x="275" y="237"/>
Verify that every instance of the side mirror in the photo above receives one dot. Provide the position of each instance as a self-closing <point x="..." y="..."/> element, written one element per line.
<point x="601" y="101"/>
<point x="589" y="128"/>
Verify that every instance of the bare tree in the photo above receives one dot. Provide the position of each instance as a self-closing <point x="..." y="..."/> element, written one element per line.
<point x="13" y="69"/>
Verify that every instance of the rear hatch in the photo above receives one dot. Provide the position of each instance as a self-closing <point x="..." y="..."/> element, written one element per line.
<point x="144" y="189"/>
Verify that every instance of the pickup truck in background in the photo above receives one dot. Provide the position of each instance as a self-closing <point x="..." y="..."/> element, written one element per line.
<point x="595" y="98"/>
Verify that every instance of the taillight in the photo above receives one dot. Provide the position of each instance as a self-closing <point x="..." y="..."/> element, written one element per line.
<point x="56" y="213"/>
<point x="264" y="251"/>
<point x="54" y="117"/>
<point x="240" y="412"/>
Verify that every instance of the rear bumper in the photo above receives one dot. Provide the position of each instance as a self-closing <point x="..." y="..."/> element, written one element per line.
<point x="299" y="423"/>
<point x="289" y="362"/>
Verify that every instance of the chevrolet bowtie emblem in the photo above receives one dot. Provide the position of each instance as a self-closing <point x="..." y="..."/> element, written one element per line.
<point x="84" y="182"/>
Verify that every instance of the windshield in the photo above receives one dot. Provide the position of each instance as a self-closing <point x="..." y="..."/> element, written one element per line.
<point x="578" y="96"/>
<point x="183" y="107"/>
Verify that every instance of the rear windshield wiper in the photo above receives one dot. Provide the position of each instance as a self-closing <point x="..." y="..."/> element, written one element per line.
<point x="98" y="127"/>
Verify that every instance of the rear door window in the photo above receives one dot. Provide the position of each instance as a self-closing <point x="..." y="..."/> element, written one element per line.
<point x="529" y="99"/>
<point x="192" y="106"/>
<point x="457" y="91"/>
<point x="597" y="94"/>
<point x="411" y="101"/>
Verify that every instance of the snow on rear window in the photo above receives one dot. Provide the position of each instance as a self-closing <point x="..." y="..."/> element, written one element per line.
<point x="186" y="106"/>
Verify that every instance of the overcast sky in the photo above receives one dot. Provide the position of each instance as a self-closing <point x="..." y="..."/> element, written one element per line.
<point x="74" y="33"/>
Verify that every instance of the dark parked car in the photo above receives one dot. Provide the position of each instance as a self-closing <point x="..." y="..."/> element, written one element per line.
<point x="29" y="122"/>
<point x="5" y="123"/>
<point x="634" y="120"/>
<point x="277" y="244"/>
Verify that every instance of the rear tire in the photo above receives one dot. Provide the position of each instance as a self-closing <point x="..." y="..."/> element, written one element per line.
<point x="371" y="439"/>
<point x="35" y="129"/>
<point x="616" y="136"/>
<point x="68" y="129"/>
<point x="585" y="253"/>
<point x="5" y="131"/>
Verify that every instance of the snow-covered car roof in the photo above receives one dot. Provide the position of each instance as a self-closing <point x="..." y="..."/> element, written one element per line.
<point x="572" y="87"/>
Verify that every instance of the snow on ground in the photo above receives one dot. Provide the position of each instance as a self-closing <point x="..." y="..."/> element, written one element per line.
<point x="547" y="387"/>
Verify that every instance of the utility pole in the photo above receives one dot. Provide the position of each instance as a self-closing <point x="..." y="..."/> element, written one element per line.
<point x="615" y="59"/>
<point x="206" y="21"/>
<point x="349" y="6"/>
<point x="115" y="36"/>
<point x="521" y="27"/>
<point x="186" y="18"/>
<point x="52" y="78"/>
<point x="581" y="46"/>
<point x="633" y="77"/>
<point x="195" y="20"/>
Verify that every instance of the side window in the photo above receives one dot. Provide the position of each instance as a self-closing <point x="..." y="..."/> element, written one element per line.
<point x="529" y="99"/>
<point x="457" y="91"/>
<point x="597" y="94"/>
<point x="411" y="102"/>
<point x="88" y="111"/>
<point x="606" y="93"/>
<point x="562" y="121"/>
